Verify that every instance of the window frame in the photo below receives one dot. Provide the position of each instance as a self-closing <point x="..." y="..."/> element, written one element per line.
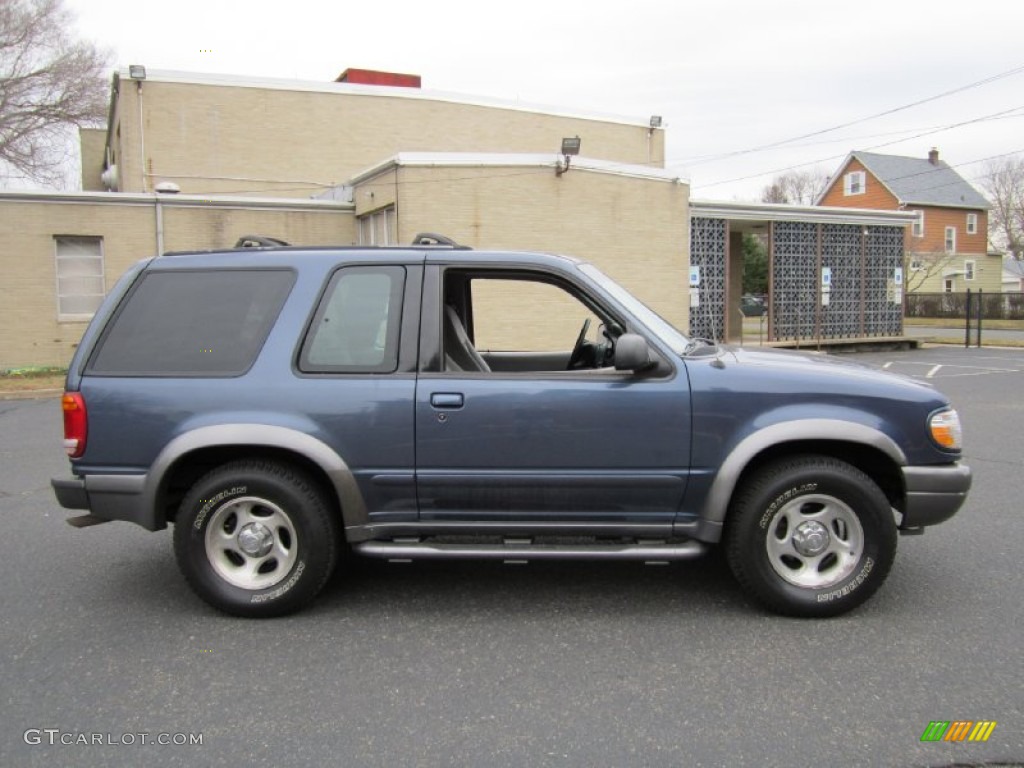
<point x="392" y="363"/>
<point x="848" y="183"/>
<point x="949" y="240"/>
<point x="431" y="353"/>
<point x="972" y="223"/>
<point x="970" y="272"/>
<point x="368" y="225"/>
<point x="917" y="226"/>
<point x="78" y="317"/>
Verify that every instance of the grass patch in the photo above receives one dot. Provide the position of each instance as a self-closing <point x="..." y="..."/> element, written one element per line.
<point x="32" y="378"/>
<point x="959" y="342"/>
<point x="958" y="322"/>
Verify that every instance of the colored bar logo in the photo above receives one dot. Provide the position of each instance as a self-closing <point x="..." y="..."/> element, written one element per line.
<point x="958" y="730"/>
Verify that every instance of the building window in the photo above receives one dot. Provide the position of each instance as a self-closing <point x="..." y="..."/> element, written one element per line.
<point x="947" y="285"/>
<point x="917" y="228"/>
<point x="916" y="265"/>
<point x="378" y="228"/>
<point x="80" y="279"/>
<point x="972" y="223"/>
<point x="853" y="183"/>
<point x="950" y="239"/>
<point x="969" y="270"/>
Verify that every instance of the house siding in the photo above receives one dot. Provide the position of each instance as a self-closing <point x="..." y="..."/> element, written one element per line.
<point x="875" y="194"/>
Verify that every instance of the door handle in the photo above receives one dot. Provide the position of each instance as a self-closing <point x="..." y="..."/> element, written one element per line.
<point x="447" y="400"/>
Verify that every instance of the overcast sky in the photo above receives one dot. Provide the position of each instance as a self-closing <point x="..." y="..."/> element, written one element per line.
<point x="727" y="76"/>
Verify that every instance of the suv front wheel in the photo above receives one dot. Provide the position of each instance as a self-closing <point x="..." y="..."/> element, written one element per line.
<point x="256" y="538"/>
<point x="810" y="536"/>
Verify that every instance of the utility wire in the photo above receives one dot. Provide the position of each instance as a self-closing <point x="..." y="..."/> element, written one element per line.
<point x="876" y="146"/>
<point x="884" y="113"/>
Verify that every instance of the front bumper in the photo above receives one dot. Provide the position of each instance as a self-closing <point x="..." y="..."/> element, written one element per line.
<point x="934" y="494"/>
<point x="109" y="497"/>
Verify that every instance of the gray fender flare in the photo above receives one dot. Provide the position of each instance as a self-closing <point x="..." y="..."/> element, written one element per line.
<point x="716" y="504"/>
<point x="353" y="508"/>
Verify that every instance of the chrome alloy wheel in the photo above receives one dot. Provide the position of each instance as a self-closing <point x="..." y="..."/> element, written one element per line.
<point x="251" y="543"/>
<point x="814" y="541"/>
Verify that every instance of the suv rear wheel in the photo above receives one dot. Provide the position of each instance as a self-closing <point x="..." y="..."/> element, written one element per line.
<point x="256" y="538"/>
<point x="810" y="536"/>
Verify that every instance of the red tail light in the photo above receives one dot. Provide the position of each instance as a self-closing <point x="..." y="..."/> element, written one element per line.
<point x="76" y="423"/>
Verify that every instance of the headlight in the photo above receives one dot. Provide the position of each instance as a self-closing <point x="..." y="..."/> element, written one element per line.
<point x="944" y="427"/>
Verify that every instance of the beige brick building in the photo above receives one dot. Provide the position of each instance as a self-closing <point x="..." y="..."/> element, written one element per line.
<point x="383" y="163"/>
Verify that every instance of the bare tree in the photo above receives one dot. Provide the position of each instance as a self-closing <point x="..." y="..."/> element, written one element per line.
<point x="49" y="82"/>
<point x="921" y="266"/>
<point x="796" y="187"/>
<point x="1004" y="183"/>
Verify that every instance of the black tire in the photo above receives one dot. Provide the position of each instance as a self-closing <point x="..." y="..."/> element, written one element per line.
<point x="256" y="538"/>
<point x="810" y="536"/>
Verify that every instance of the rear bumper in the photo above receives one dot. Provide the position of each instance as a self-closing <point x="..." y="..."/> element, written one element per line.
<point x="109" y="497"/>
<point x="934" y="494"/>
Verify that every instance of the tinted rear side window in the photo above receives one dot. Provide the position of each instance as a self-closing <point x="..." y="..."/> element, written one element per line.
<point x="193" y="323"/>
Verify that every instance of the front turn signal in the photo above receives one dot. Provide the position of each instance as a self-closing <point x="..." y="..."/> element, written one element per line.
<point x="944" y="427"/>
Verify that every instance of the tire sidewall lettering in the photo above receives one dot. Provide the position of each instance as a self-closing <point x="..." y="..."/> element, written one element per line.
<point x="214" y="501"/>
<point x="783" y="498"/>
<point x="851" y="586"/>
<point x="280" y="590"/>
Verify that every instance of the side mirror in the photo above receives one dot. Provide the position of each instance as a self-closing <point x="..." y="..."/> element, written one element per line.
<point x="632" y="353"/>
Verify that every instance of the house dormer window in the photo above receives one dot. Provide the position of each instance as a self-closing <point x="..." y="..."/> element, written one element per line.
<point x="853" y="183"/>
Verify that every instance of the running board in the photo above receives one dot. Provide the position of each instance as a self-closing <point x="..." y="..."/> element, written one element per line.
<point x="518" y="550"/>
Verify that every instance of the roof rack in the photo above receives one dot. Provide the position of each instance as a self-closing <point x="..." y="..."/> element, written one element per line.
<point x="432" y="238"/>
<point x="259" y="241"/>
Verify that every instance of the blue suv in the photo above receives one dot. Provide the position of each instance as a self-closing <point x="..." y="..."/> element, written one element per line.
<point x="288" y="407"/>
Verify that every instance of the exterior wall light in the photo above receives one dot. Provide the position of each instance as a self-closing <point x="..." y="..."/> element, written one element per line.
<point x="570" y="147"/>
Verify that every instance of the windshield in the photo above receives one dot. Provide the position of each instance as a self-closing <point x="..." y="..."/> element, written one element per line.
<point x="655" y="322"/>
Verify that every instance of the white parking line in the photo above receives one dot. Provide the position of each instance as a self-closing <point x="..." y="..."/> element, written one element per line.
<point x="948" y="370"/>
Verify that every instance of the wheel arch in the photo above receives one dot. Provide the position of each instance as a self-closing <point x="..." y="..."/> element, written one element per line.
<point x="190" y="455"/>
<point x="870" y="450"/>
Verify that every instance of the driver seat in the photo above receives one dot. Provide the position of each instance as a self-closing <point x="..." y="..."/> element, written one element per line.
<point x="459" y="352"/>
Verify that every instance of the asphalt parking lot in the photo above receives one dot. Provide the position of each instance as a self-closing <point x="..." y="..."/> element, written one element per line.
<point x="549" y="664"/>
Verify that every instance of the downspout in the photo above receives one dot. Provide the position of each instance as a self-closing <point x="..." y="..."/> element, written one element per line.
<point x="142" y="136"/>
<point x="159" y="225"/>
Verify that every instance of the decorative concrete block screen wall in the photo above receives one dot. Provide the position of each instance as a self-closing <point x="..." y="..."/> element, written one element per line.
<point x="708" y="244"/>
<point x="835" y="281"/>
<point x="826" y="281"/>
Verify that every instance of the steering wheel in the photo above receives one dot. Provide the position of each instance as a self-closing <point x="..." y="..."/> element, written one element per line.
<point x="577" y="350"/>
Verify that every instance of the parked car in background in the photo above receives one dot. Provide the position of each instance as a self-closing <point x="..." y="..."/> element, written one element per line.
<point x="753" y="306"/>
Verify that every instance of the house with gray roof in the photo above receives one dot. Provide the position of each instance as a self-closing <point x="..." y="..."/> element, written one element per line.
<point x="947" y="246"/>
<point x="1013" y="276"/>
